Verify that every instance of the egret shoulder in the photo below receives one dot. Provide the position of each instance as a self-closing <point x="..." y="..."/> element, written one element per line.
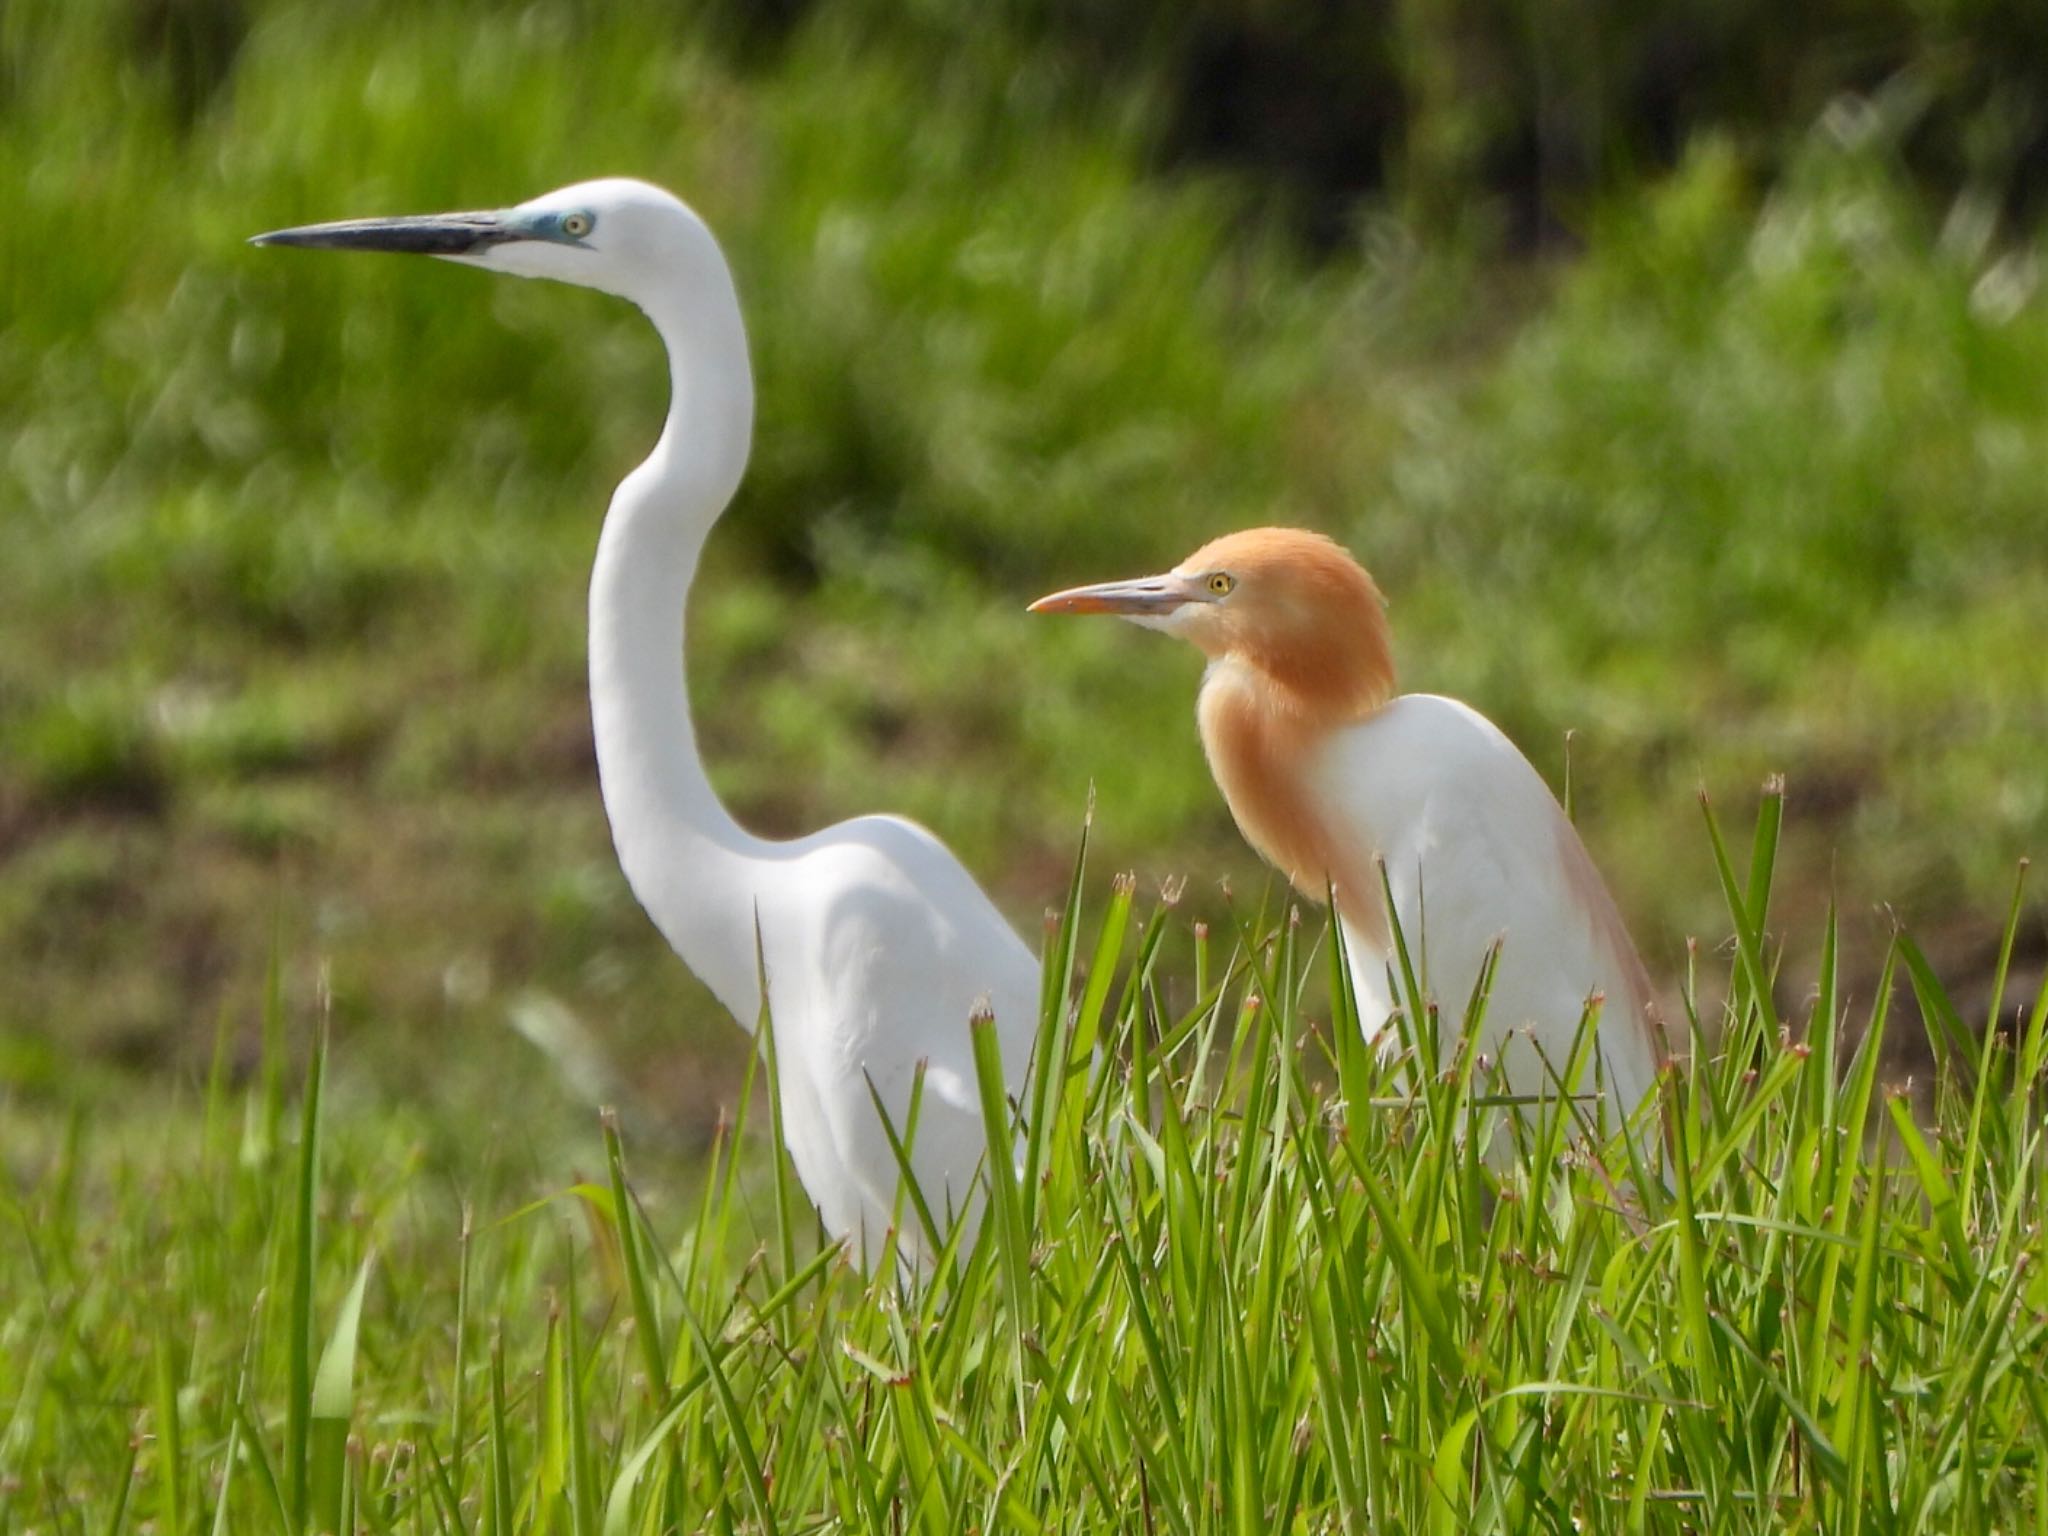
<point x="1478" y="849"/>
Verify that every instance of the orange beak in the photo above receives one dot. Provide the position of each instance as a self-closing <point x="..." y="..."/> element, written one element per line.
<point x="1148" y="597"/>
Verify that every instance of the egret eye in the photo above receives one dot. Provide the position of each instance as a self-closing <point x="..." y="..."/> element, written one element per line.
<point x="1221" y="583"/>
<point x="576" y="225"/>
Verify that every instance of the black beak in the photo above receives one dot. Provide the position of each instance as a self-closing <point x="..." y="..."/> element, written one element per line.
<point x="429" y="234"/>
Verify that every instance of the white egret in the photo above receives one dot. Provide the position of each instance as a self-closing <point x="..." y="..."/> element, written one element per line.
<point x="1327" y="771"/>
<point x="876" y="943"/>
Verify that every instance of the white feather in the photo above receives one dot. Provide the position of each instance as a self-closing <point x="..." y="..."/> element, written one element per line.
<point x="876" y="943"/>
<point x="1476" y="850"/>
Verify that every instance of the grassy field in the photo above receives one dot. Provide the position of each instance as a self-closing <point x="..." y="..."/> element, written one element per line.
<point x="1749" y="476"/>
<point x="1242" y="1281"/>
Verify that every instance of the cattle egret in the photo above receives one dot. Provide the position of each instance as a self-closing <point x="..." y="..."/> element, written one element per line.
<point x="1327" y="772"/>
<point x="876" y="943"/>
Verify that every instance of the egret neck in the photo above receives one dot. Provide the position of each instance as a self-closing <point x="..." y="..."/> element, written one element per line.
<point x="700" y="875"/>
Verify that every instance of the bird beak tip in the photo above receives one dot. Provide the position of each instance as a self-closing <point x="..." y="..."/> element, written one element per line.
<point x="1081" y="600"/>
<point x="431" y="234"/>
<point x="1153" y="597"/>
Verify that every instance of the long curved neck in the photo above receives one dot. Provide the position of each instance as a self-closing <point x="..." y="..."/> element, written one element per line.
<point x="700" y="876"/>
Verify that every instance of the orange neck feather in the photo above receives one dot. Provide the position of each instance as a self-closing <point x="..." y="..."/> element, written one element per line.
<point x="1334" y="680"/>
<point x="1259" y="755"/>
<point x="1306" y="655"/>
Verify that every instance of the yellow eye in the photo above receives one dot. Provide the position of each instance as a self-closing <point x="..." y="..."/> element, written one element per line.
<point x="1221" y="583"/>
<point x="576" y="225"/>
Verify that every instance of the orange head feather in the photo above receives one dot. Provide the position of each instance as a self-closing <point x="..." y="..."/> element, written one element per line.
<point x="1299" y="632"/>
<point x="1287" y="605"/>
<point x="1300" y="612"/>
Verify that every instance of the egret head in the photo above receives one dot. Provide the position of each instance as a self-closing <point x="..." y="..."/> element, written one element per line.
<point x="1290" y="604"/>
<point x="619" y="235"/>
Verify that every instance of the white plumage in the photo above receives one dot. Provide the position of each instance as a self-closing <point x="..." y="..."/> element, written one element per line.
<point x="1477" y="850"/>
<point x="876" y="943"/>
<point x="1329" y="774"/>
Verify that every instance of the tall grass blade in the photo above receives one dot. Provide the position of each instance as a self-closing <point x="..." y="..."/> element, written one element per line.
<point x="333" y="1407"/>
<point x="299" y="1318"/>
<point x="1948" y="1038"/>
<point x="640" y="1291"/>
<point x="1855" y="1416"/>
<point x="753" y="1483"/>
<point x="908" y="1186"/>
<point x="170" y="1439"/>
<point x="458" y="1414"/>
<point x="1001" y="1173"/>
<point x="1748" y="932"/>
<point x="1954" y="1257"/>
<point x="582" y="1480"/>
<point x="1986" y="1079"/>
<point x="224" y="1494"/>
<point x="500" y="1464"/>
<point x="1055" y="1023"/>
<point x="778" y="1132"/>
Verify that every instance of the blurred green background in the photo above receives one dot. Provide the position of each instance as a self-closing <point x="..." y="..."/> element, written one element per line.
<point x="1681" y="371"/>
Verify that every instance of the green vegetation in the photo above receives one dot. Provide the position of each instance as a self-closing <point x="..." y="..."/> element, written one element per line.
<point x="290" y="623"/>
<point x="1242" y="1281"/>
<point x="1744" y="470"/>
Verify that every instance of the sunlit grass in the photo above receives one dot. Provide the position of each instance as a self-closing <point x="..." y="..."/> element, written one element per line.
<point x="1241" y="1278"/>
<point x="290" y="664"/>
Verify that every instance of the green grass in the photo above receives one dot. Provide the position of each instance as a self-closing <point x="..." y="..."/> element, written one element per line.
<point x="293" y="746"/>
<point x="1245" y="1282"/>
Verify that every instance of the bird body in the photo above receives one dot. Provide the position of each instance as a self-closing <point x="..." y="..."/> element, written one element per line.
<point x="1476" y="850"/>
<point x="1331" y="777"/>
<point x="876" y="944"/>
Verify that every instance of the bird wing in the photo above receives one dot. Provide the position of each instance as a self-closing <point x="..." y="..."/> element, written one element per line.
<point x="1477" y="849"/>
<point x="899" y="948"/>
